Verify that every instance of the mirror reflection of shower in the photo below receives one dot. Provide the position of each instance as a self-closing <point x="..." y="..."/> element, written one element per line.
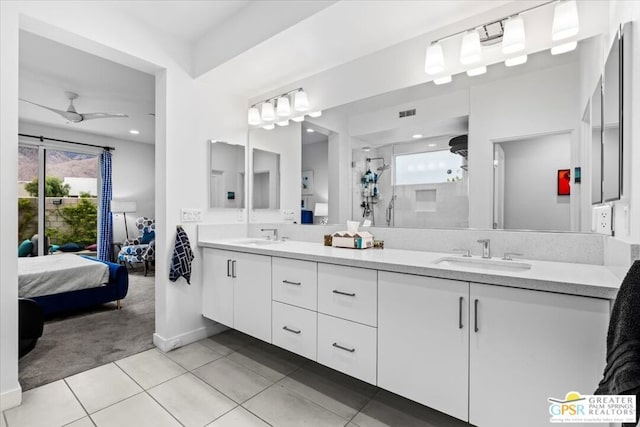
<point x="370" y="190"/>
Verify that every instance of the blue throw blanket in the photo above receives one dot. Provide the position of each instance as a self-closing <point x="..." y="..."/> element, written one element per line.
<point x="182" y="257"/>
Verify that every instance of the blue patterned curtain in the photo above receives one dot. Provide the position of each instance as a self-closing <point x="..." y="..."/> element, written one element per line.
<point x="105" y="228"/>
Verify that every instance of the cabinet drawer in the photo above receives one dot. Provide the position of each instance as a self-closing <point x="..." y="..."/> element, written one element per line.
<point x="294" y="329"/>
<point x="347" y="347"/>
<point x="295" y="282"/>
<point x="348" y="292"/>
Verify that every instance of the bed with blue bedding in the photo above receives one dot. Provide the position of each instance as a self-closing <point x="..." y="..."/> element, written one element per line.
<point x="60" y="283"/>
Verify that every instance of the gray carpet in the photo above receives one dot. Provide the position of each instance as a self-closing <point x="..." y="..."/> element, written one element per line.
<point x="83" y="340"/>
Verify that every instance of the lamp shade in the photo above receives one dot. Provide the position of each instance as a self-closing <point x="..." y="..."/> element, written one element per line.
<point x="267" y="112"/>
<point x="300" y="101"/>
<point x="434" y="60"/>
<point x="477" y="71"/>
<point x="514" y="38"/>
<point x="321" y="209"/>
<point x="253" y="116"/>
<point x="564" y="48"/>
<point x="470" y="52"/>
<point x="565" y="20"/>
<point x="442" y="80"/>
<point x="517" y="60"/>
<point x="284" y="108"/>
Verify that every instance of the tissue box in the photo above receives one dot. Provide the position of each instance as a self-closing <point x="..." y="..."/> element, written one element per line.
<point x="359" y="240"/>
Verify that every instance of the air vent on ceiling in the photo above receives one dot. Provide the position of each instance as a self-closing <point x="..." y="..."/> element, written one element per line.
<point x="407" y="113"/>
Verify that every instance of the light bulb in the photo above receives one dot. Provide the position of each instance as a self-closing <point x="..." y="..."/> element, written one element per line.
<point x="511" y="62"/>
<point x="565" y="20"/>
<point x="283" y="123"/>
<point x="298" y="119"/>
<point x="514" y="38"/>
<point x="269" y="127"/>
<point x="315" y="114"/>
<point x="442" y="80"/>
<point x="284" y="108"/>
<point x="267" y="112"/>
<point x="300" y="101"/>
<point x="564" y="48"/>
<point x="434" y="60"/>
<point x="253" y="116"/>
<point x="476" y="71"/>
<point x="470" y="53"/>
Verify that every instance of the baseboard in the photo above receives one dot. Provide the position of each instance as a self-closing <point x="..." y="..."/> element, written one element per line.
<point x="168" y="344"/>
<point x="11" y="399"/>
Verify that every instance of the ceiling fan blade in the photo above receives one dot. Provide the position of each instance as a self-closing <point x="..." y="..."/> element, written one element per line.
<point x="69" y="115"/>
<point x="91" y="116"/>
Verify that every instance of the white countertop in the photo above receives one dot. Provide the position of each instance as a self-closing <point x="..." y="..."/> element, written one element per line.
<point x="567" y="278"/>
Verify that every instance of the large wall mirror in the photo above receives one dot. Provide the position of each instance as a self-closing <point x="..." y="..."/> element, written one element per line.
<point x="226" y="175"/>
<point x="612" y="115"/>
<point x="596" y="143"/>
<point x="266" y="179"/>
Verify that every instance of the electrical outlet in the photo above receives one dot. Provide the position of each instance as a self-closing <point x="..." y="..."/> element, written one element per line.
<point x="602" y="220"/>
<point x="289" y="215"/>
<point x="191" y="215"/>
<point x="240" y="215"/>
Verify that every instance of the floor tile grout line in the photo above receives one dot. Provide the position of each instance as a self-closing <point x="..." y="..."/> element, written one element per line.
<point x="162" y="406"/>
<point x="77" y="399"/>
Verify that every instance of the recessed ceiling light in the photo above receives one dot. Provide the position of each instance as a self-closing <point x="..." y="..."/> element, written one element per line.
<point x="417" y="135"/>
<point x="432" y="145"/>
<point x="134" y="132"/>
<point x="367" y="148"/>
<point x="310" y="130"/>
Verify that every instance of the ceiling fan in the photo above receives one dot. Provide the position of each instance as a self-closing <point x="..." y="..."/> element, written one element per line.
<point x="73" y="116"/>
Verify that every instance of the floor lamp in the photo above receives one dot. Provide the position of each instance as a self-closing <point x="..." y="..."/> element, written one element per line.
<point x="124" y="206"/>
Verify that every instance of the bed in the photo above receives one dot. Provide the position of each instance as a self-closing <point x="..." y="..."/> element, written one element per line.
<point x="60" y="283"/>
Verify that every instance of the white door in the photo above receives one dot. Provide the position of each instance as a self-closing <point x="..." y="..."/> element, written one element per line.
<point x="423" y="340"/>
<point x="252" y="295"/>
<point x="217" y="286"/>
<point x="527" y="346"/>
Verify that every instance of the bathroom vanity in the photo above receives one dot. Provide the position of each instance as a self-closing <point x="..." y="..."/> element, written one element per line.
<point x="485" y="341"/>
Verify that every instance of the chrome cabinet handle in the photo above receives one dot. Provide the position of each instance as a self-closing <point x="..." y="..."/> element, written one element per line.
<point x="460" y="325"/>
<point x="295" y="331"/>
<point x="350" y="350"/>
<point x="335" y="291"/>
<point x="475" y="315"/>
<point x="228" y="268"/>
<point x="233" y="268"/>
<point x="289" y="282"/>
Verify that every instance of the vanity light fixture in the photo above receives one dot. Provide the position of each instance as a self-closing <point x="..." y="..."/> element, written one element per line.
<point x="279" y="109"/>
<point x="442" y="80"/>
<point x="134" y="132"/>
<point x="516" y="60"/>
<point x="434" y="59"/>
<point x="417" y="136"/>
<point x="564" y="48"/>
<point x="476" y="71"/>
<point x="471" y="51"/>
<point x="513" y="40"/>
<point x="565" y="20"/>
<point x="269" y="127"/>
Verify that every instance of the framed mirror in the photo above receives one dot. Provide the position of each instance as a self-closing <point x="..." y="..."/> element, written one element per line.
<point x="611" y="125"/>
<point x="226" y="175"/>
<point x="596" y="144"/>
<point x="266" y="179"/>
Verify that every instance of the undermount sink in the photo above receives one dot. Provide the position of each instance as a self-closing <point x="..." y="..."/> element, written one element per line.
<point x="483" y="263"/>
<point x="257" y="242"/>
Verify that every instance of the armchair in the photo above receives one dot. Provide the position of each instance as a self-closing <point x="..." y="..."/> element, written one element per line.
<point x="142" y="248"/>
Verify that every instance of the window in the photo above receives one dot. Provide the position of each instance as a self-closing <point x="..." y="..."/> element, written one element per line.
<point x="431" y="167"/>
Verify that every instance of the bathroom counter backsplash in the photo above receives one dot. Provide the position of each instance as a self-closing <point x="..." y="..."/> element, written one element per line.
<point x="560" y="277"/>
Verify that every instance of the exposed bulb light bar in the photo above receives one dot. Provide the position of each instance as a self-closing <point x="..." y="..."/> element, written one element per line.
<point x="291" y="105"/>
<point x="442" y="80"/>
<point x="514" y="39"/>
<point x="300" y="101"/>
<point x="564" y="48"/>
<point x="253" y="116"/>
<point x="565" y="20"/>
<point x="476" y="71"/>
<point x="471" y="51"/>
<point x="434" y="60"/>
<point x="267" y="114"/>
<point x="518" y="60"/>
<point x="283" y="108"/>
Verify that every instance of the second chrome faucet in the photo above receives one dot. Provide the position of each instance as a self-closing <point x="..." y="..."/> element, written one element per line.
<point x="486" y="248"/>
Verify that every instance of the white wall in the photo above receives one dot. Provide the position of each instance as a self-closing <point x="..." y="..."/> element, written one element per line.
<point x="537" y="103"/>
<point x="530" y="185"/>
<point x="287" y="141"/>
<point x="315" y="157"/>
<point x="133" y="171"/>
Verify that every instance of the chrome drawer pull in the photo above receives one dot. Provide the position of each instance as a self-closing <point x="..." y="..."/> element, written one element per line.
<point x="350" y="350"/>
<point x="460" y="325"/>
<point x="335" y="291"/>
<point x="288" y="282"/>
<point x="295" y="331"/>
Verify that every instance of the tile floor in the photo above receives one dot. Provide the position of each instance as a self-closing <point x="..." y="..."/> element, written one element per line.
<point x="230" y="380"/>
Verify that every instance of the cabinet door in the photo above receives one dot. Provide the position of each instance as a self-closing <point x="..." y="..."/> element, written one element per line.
<point x="423" y="340"/>
<point x="217" y="286"/>
<point x="252" y="295"/>
<point x="530" y="346"/>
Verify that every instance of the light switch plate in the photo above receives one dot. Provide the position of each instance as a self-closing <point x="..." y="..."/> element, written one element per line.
<point x="191" y="215"/>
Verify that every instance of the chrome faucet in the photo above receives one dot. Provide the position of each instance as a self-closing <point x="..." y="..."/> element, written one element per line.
<point x="275" y="232"/>
<point x="486" y="249"/>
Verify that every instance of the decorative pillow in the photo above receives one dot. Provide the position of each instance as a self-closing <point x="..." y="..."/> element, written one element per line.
<point x="71" y="247"/>
<point x="54" y="248"/>
<point x="25" y="248"/>
<point x="92" y="247"/>
<point x="147" y="237"/>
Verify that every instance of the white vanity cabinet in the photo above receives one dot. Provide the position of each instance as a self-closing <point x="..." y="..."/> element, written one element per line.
<point x="527" y="346"/>
<point x="237" y="291"/>
<point x="423" y="340"/>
